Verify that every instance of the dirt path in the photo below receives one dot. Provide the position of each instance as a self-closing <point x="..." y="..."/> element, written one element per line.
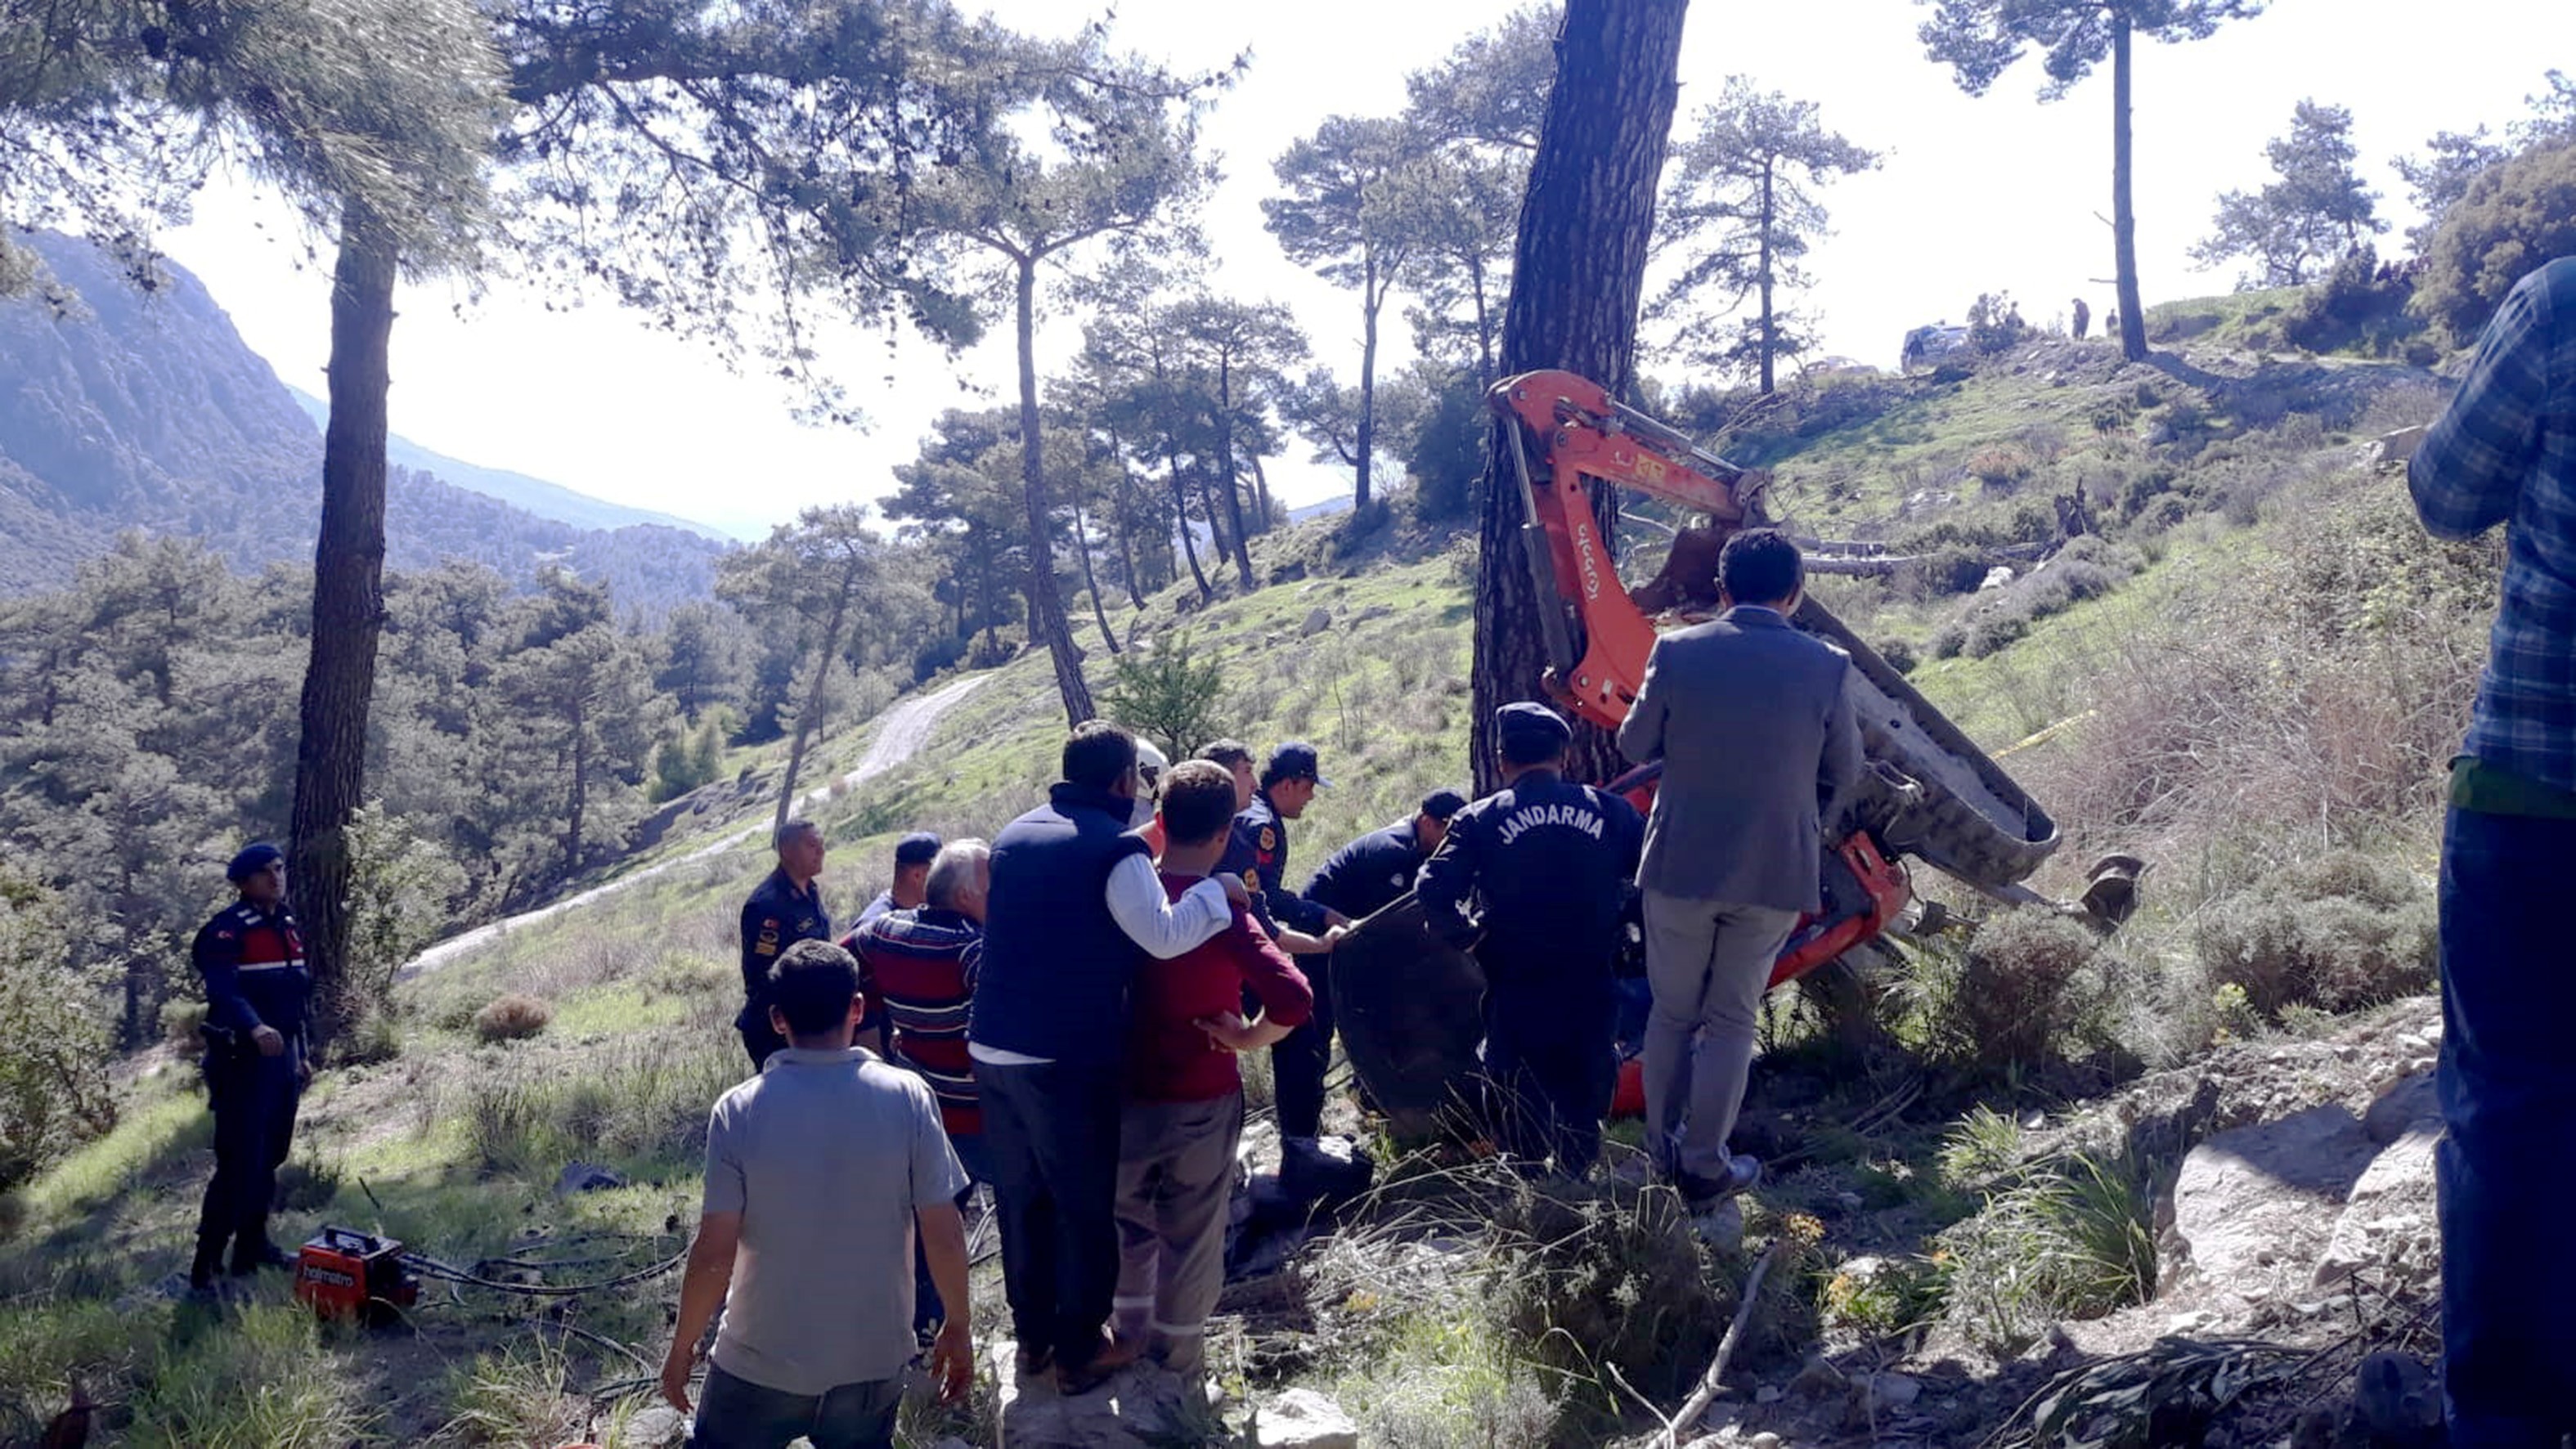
<point x="900" y="735"/>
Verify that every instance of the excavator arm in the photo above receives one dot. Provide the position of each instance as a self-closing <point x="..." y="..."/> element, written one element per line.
<point x="1929" y="793"/>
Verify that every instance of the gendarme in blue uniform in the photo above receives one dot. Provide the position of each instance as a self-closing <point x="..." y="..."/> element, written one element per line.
<point x="1256" y="849"/>
<point x="251" y="960"/>
<point x="1533" y="879"/>
<point x="1369" y="874"/>
<point x="776" y="917"/>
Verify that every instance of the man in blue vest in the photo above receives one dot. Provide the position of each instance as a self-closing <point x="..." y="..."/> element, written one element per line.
<point x="1532" y="878"/>
<point x="251" y="959"/>
<point x="1075" y="909"/>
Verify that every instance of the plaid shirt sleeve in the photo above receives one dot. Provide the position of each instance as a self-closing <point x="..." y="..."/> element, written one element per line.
<point x="2470" y="471"/>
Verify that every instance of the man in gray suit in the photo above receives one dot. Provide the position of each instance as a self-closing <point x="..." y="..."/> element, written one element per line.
<point x="1757" y="737"/>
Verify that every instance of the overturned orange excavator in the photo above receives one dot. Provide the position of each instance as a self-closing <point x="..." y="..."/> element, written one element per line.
<point x="1929" y="794"/>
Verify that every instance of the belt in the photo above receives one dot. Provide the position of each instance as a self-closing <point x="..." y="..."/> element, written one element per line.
<point x="297" y="964"/>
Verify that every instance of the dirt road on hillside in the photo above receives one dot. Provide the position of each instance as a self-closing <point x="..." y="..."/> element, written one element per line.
<point x="900" y="735"/>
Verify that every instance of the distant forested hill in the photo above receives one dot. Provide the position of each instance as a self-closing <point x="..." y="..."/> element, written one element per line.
<point x="121" y="409"/>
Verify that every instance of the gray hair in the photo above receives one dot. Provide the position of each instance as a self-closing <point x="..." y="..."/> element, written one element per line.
<point x="800" y="826"/>
<point x="953" y="873"/>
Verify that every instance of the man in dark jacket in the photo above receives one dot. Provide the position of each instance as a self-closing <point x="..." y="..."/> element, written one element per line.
<point x="1532" y="879"/>
<point x="1377" y="870"/>
<point x="1258" y="852"/>
<point x="1076" y="908"/>
<point x="251" y="959"/>
<point x="787" y="907"/>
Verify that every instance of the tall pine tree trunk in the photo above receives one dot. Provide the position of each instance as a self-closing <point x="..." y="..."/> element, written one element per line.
<point x="1225" y="460"/>
<point x="1082" y="543"/>
<point x="1577" y="275"/>
<point x="810" y="718"/>
<point x="2124" y="218"/>
<point x="348" y="609"/>
<point x="1371" y="298"/>
<point x="1127" y="539"/>
<point x="580" y="783"/>
<point x="1047" y="624"/>
<point x="1770" y="329"/>
<point x="1264" y="510"/>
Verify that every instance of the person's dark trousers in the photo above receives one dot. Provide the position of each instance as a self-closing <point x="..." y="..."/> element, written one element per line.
<point x="1299" y="1059"/>
<point x="1552" y="1067"/>
<point x="739" y="1414"/>
<point x="927" y="1311"/>
<point x="760" y="1040"/>
<point x="1051" y="1140"/>
<point x="2506" y="1170"/>
<point x="254" y="1104"/>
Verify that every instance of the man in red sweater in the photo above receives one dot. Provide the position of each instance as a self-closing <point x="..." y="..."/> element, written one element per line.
<point x="1184" y="1113"/>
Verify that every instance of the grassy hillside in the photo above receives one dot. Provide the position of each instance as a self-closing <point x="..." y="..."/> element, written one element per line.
<point x="2251" y="677"/>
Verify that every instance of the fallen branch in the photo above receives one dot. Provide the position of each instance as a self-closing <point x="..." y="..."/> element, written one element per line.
<point x="1706" y="1394"/>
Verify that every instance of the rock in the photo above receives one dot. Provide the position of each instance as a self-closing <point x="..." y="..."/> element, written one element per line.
<point x="1850" y="1202"/>
<point x="659" y="1427"/>
<point x="1304" y="1419"/>
<point x="585" y="1177"/>
<point x="2397" y="1399"/>
<point x="2408" y="1105"/>
<point x="1763" y="1441"/>
<point x="1997" y="577"/>
<point x="1769" y="1394"/>
<point x="1893" y="1392"/>
<point x="1721" y="1227"/>
<point x="1818" y="1379"/>
<point x="1374" y="612"/>
<point x="2257" y="1203"/>
<point x="1317" y="621"/>
<point x="2389" y="1213"/>
<point x="1137" y="1408"/>
<point x="2186" y="1324"/>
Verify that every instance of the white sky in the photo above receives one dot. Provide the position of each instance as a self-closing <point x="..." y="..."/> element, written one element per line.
<point x="1975" y="195"/>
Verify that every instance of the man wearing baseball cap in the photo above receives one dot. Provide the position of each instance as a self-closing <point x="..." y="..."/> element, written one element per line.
<point x="1258" y="852"/>
<point x="251" y="959"/>
<point x="912" y="857"/>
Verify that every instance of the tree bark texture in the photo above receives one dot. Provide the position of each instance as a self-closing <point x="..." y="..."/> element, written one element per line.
<point x="1091" y="579"/>
<point x="1371" y="298"/>
<point x="1047" y="624"/>
<point x="1225" y="460"/>
<point x="348" y="610"/>
<point x="1770" y="329"/>
<point x="1577" y="277"/>
<point x="2124" y="217"/>
<point x="810" y="718"/>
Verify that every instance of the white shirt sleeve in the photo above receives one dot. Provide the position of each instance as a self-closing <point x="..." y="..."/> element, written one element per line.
<point x="1164" y="927"/>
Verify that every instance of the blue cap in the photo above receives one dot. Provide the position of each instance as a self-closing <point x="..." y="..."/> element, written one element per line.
<point x="252" y="861"/>
<point x="1532" y="721"/>
<point x="1441" y="804"/>
<point x="919" y="848"/>
<point x="1295" y="760"/>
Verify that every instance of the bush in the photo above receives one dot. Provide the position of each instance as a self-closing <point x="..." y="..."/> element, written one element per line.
<point x="512" y="1018"/>
<point x="2359" y="306"/>
<point x="180" y="1020"/>
<point x="685" y="762"/>
<point x="2000" y="468"/>
<point x="54" y="1091"/>
<point x="2018" y="991"/>
<point x="374" y="1038"/>
<point x="1168" y="694"/>
<point x="1597" y="1277"/>
<point x="635" y="1103"/>
<point x="2338" y="933"/>
<point x="1995" y="325"/>
<point x="2515" y="217"/>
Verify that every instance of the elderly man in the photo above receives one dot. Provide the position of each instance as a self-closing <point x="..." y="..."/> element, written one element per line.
<point x="785" y="908"/>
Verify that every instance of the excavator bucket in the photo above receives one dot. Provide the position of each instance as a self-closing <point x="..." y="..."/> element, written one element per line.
<point x="1410" y="1011"/>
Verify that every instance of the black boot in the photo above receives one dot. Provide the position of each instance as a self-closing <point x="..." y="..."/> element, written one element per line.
<point x="251" y="1254"/>
<point x="208" y="1262"/>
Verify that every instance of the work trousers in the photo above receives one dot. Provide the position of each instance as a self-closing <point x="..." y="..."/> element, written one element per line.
<point x="254" y="1101"/>
<point x="2508" y="1091"/>
<point x="1299" y="1059"/>
<point x="1550" y="1063"/>
<point x="1708" y="964"/>
<point x="1175" y="1176"/>
<point x="1051" y="1140"/>
<point x="735" y="1413"/>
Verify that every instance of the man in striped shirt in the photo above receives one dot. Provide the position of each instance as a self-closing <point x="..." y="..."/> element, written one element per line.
<point x="917" y="968"/>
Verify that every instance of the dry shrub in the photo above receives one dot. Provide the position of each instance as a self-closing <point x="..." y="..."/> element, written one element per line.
<point x="513" y="1017"/>
<point x="2338" y="933"/>
<point x="1604" y="1276"/>
<point x="180" y="1020"/>
<point x="2022" y="987"/>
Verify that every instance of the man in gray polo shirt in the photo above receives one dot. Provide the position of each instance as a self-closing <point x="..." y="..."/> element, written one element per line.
<point x="818" y="1172"/>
